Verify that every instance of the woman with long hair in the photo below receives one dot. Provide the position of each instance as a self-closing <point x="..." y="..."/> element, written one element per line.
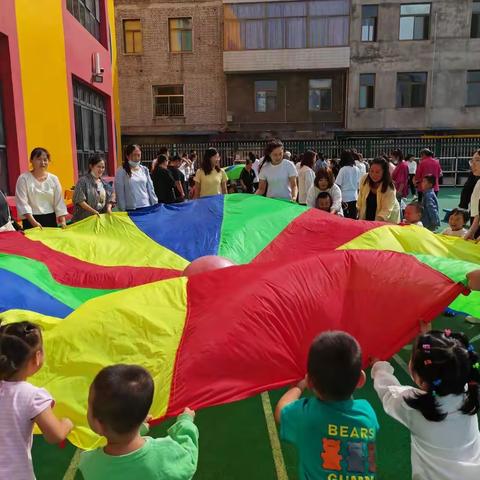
<point x="377" y="197"/>
<point x="210" y="179"/>
<point x="39" y="195"/>
<point x="306" y="176"/>
<point x="133" y="185"/>
<point x="278" y="177"/>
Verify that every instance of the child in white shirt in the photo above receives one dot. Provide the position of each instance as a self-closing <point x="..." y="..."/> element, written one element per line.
<point x="21" y="403"/>
<point x="441" y="412"/>
<point x="457" y="220"/>
<point x="413" y="214"/>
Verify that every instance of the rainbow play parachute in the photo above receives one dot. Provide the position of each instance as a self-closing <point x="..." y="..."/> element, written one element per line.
<point x="110" y="290"/>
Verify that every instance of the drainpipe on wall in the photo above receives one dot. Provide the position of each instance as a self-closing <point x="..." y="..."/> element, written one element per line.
<point x="432" y="83"/>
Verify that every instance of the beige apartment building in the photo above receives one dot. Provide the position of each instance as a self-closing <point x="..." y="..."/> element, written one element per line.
<point x="240" y="69"/>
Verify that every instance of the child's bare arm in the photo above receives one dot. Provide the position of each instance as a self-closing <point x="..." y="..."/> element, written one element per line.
<point x="53" y="429"/>
<point x="293" y="394"/>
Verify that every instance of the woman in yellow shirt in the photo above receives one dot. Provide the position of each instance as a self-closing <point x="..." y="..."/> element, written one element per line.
<point x="210" y="179"/>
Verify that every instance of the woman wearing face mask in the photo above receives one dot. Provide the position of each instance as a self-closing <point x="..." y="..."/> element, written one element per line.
<point x="92" y="196"/>
<point x="278" y="177"/>
<point x="377" y="197"/>
<point x="39" y="195"/>
<point x="133" y="185"/>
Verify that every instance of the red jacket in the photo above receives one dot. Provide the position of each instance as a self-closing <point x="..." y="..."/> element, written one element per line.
<point x="428" y="166"/>
<point x="400" y="178"/>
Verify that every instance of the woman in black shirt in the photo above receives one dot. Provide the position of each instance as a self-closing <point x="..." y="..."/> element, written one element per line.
<point x="247" y="177"/>
<point x="163" y="182"/>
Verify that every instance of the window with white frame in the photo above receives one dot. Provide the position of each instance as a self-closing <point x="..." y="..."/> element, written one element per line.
<point x="168" y="100"/>
<point x="369" y="23"/>
<point x="415" y="21"/>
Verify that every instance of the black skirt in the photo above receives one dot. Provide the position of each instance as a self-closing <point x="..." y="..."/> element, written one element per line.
<point x="47" y="220"/>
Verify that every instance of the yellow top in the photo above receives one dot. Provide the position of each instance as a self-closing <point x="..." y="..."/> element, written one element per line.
<point x="210" y="184"/>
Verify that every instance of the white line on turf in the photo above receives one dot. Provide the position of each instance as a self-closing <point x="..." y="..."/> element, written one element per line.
<point x="73" y="467"/>
<point x="474" y="339"/>
<point x="274" y="440"/>
<point x="402" y="363"/>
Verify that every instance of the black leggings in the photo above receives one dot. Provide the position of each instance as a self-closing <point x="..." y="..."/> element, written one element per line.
<point x="351" y="210"/>
<point x="413" y="190"/>
<point x="47" y="220"/>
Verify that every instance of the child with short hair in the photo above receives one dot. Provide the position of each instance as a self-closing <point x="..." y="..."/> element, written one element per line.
<point x="413" y="214"/>
<point x="441" y="412"/>
<point x="118" y="404"/>
<point x="324" y="202"/>
<point x="430" y="217"/>
<point x="457" y="220"/>
<point x="334" y="434"/>
<point x="21" y="403"/>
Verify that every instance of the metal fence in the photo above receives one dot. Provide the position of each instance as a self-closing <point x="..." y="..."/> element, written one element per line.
<point x="453" y="152"/>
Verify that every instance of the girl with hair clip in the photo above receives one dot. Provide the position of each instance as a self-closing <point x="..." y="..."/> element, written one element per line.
<point x="23" y="404"/>
<point x="441" y="413"/>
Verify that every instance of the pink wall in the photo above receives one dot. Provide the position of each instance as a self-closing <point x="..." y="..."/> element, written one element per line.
<point x="10" y="77"/>
<point x="80" y="45"/>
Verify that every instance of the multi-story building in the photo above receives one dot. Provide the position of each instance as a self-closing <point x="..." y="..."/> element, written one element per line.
<point x="57" y="85"/>
<point x="286" y="66"/>
<point x="170" y="67"/>
<point x="298" y="69"/>
<point x="415" y="66"/>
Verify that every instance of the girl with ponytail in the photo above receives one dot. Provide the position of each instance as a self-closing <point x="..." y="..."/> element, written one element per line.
<point x="441" y="413"/>
<point x="21" y="403"/>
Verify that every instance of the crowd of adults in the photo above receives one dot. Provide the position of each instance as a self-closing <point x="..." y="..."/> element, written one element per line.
<point x="349" y="186"/>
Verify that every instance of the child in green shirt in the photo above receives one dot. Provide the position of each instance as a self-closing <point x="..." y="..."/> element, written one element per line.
<point x="118" y="404"/>
<point x="334" y="434"/>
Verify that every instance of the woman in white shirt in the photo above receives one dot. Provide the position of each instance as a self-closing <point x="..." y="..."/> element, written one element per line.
<point x="475" y="199"/>
<point x="348" y="179"/>
<point x="412" y="170"/>
<point x="278" y="177"/>
<point x="324" y="182"/>
<point x="39" y="195"/>
<point x="306" y="176"/>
